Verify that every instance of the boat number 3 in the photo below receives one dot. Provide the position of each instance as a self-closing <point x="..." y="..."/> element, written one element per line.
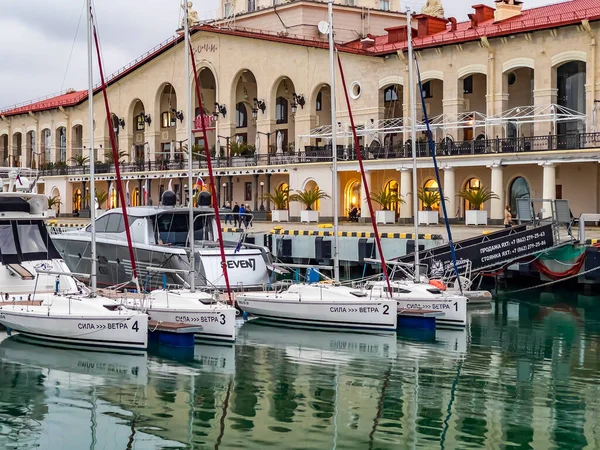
<point x="386" y="310"/>
<point x="222" y="316"/>
<point x="135" y="326"/>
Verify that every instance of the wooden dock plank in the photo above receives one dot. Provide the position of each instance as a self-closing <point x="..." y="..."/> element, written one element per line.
<point x="173" y="327"/>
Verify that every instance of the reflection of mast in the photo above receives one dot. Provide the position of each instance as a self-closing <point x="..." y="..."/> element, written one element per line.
<point x="94" y="424"/>
<point x="224" y="415"/>
<point x="386" y="382"/>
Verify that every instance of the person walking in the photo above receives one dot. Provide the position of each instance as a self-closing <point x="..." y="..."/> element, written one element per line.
<point x="236" y="213"/>
<point x="507" y="217"/>
<point x="248" y="217"/>
<point x="242" y="215"/>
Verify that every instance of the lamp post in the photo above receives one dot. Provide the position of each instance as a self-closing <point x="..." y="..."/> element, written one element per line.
<point x="225" y="192"/>
<point x="262" y="200"/>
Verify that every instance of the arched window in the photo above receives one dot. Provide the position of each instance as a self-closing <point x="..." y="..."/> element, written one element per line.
<point x="281" y="110"/>
<point x="390" y="94"/>
<point x="474" y="184"/>
<point x="241" y="115"/>
<point x="62" y="136"/>
<point x="392" y="188"/>
<point x="352" y="195"/>
<point x="431" y="186"/>
<point x="519" y="188"/>
<point x="570" y="79"/>
<point x="320" y="101"/>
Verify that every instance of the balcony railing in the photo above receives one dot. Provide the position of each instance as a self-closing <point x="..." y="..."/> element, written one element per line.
<point x="319" y="154"/>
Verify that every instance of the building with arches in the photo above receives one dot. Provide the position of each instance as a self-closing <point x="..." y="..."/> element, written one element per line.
<point x="511" y="95"/>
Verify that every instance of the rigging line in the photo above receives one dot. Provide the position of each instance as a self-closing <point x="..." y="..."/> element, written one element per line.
<point x="437" y="172"/>
<point x="62" y="86"/>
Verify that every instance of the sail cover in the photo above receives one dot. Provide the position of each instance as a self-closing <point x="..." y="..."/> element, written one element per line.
<point x="25" y="240"/>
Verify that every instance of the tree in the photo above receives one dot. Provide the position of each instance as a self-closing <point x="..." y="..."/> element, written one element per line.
<point x="429" y="198"/>
<point x="280" y="197"/>
<point x="54" y="201"/>
<point x="109" y="159"/>
<point x="385" y="198"/>
<point x="308" y="197"/>
<point x="80" y="160"/>
<point x="101" y="196"/>
<point x="477" y="197"/>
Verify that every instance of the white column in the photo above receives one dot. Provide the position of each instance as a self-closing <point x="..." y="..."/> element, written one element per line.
<point x="364" y="206"/>
<point x="497" y="205"/>
<point x="405" y="193"/>
<point x="450" y="191"/>
<point x="549" y="180"/>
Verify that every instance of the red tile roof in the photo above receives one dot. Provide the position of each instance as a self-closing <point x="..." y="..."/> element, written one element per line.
<point x="551" y="16"/>
<point x="66" y="99"/>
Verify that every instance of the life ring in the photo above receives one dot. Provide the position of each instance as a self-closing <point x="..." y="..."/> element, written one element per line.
<point x="438" y="284"/>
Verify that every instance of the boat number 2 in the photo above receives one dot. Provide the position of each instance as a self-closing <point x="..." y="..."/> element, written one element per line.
<point x="135" y="326"/>
<point x="386" y="310"/>
<point x="222" y="317"/>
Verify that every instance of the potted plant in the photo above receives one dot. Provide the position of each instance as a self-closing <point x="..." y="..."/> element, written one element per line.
<point x="279" y="198"/>
<point x="476" y="198"/>
<point x="308" y="197"/>
<point x="429" y="199"/>
<point x="54" y="205"/>
<point x="79" y="160"/>
<point x="385" y="199"/>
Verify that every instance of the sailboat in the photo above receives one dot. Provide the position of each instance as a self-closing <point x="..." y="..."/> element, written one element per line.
<point x="68" y="315"/>
<point x="186" y="305"/>
<point x="329" y="305"/>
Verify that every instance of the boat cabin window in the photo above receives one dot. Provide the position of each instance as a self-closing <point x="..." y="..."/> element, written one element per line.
<point x="434" y="291"/>
<point x="173" y="229"/>
<point x="359" y="293"/>
<point x="110" y="223"/>
<point x="397" y="290"/>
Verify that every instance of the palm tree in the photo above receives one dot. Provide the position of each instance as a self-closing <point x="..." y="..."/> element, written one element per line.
<point x="109" y="159"/>
<point x="386" y="198"/>
<point x="101" y="196"/>
<point x="308" y="197"/>
<point x="80" y="160"/>
<point x="280" y="197"/>
<point x="477" y="197"/>
<point x="54" y="201"/>
<point x="429" y="198"/>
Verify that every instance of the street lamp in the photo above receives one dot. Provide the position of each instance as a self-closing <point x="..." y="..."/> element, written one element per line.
<point x="262" y="204"/>
<point x="224" y="192"/>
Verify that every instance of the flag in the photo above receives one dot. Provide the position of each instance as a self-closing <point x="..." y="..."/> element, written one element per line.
<point x="238" y="247"/>
<point x="170" y="188"/>
<point x="19" y="180"/>
<point x="200" y="182"/>
<point x="146" y="192"/>
<point x="127" y="193"/>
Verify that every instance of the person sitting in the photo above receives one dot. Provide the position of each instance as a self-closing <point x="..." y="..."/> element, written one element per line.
<point x="353" y="216"/>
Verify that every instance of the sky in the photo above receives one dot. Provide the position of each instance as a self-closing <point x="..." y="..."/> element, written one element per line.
<point x="43" y="47"/>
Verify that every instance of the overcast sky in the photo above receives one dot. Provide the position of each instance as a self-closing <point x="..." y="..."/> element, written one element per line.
<point x="38" y="36"/>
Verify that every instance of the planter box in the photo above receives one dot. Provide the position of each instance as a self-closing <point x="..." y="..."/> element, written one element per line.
<point x="385" y="216"/>
<point x="309" y="216"/>
<point x="283" y="215"/>
<point x="428" y="217"/>
<point x="476" y="217"/>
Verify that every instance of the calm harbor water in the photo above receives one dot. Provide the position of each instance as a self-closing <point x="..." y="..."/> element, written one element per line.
<point x="524" y="375"/>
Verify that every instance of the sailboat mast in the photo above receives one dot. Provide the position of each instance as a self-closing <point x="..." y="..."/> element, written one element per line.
<point x="189" y="115"/>
<point x="92" y="199"/>
<point x="336" y="240"/>
<point x="413" y="137"/>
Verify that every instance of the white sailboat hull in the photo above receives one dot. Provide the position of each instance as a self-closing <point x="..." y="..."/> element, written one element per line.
<point x="119" y="331"/>
<point x="326" y="309"/>
<point x="180" y="306"/>
<point x="453" y="307"/>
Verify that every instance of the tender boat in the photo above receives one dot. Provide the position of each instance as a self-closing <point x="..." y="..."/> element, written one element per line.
<point x="183" y="306"/>
<point x="322" y="305"/>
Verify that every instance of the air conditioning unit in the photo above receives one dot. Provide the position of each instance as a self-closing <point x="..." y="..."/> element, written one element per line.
<point x="139" y="138"/>
<point x="164" y="136"/>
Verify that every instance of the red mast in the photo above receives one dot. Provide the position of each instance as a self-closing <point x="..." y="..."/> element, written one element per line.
<point x="113" y="144"/>
<point x="210" y="175"/>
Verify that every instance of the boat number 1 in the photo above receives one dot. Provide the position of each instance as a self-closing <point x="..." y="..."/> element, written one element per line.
<point x="222" y="316"/>
<point x="386" y="309"/>
<point x="135" y="326"/>
<point x="456" y="306"/>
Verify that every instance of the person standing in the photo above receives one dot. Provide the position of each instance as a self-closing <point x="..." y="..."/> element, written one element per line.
<point x="236" y="213"/>
<point x="507" y="217"/>
<point x="248" y="217"/>
<point x="242" y="216"/>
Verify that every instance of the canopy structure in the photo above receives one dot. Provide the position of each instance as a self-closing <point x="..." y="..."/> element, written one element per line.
<point x="522" y="115"/>
<point x="444" y="123"/>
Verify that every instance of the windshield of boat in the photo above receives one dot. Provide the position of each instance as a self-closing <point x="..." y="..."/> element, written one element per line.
<point x="172" y="229"/>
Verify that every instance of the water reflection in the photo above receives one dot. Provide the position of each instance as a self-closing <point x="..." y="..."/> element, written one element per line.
<point x="523" y="374"/>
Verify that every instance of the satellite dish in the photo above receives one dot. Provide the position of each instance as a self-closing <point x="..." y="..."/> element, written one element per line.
<point x="323" y="27"/>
